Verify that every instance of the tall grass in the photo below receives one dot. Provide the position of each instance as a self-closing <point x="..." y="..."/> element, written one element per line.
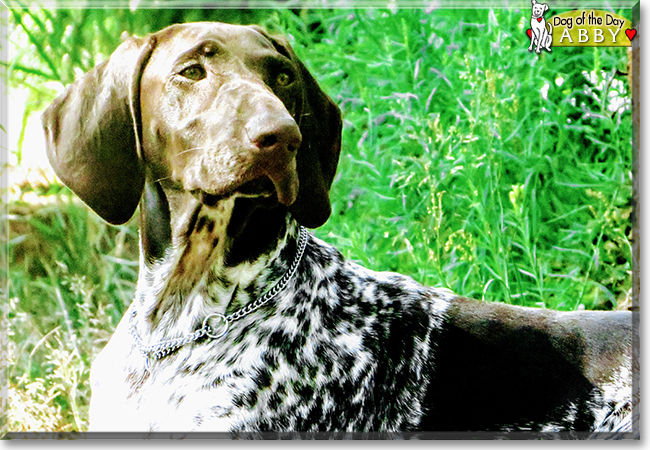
<point x="468" y="163"/>
<point x="71" y="278"/>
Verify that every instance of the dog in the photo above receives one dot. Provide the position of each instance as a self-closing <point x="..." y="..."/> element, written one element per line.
<point x="244" y="322"/>
<point x="540" y="34"/>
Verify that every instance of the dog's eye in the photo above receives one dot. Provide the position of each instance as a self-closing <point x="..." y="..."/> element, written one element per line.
<point x="195" y="72"/>
<point x="284" y="78"/>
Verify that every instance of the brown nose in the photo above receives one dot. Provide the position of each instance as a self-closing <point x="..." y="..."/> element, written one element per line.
<point x="273" y="134"/>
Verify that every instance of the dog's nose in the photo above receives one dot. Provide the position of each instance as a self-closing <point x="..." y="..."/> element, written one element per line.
<point x="271" y="134"/>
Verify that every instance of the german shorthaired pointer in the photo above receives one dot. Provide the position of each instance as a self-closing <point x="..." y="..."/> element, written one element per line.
<point x="242" y="320"/>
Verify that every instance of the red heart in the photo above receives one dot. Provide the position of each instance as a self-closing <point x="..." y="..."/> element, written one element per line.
<point x="630" y="33"/>
<point x="529" y="32"/>
<point x="539" y="19"/>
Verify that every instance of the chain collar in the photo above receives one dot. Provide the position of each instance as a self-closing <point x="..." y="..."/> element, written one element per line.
<point x="164" y="348"/>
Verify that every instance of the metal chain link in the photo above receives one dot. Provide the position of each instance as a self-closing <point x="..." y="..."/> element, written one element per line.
<point x="164" y="348"/>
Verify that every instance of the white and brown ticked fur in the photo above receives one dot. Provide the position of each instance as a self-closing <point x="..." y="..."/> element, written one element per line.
<point x="229" y="146"/>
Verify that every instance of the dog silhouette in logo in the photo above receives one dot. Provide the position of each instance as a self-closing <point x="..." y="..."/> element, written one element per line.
<point x="540" y="34"/>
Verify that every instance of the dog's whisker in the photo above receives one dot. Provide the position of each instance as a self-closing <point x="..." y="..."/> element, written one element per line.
<point x="193" y="149"/>
<point x="158" y="180"/>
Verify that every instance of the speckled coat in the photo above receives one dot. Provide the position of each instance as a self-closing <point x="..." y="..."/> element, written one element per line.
<point x="341" y="348"/>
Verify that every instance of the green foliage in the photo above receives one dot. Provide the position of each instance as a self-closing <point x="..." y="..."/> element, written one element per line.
<point x="457" y="169"/>
<point x="71" y="277"/>
<point x="467" y="163"/>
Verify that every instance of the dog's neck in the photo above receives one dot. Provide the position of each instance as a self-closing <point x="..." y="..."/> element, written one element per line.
<point x="205" y="263"/>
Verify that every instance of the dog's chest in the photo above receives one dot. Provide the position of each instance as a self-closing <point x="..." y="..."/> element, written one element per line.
<point x="328" y="354"/>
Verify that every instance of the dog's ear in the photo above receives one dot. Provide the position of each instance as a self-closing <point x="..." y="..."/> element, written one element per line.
<point x="92" y="135"/>
<point x="320" y="125"/>
<point x="545" y="7"/>
<point x="318" y="157"/>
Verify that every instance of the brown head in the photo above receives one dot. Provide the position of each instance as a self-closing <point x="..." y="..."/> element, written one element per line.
<point x="207" y="108"/>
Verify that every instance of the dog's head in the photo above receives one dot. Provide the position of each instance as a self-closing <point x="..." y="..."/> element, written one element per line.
<point x="539" y="9"/>
<point x="209" y="108"/>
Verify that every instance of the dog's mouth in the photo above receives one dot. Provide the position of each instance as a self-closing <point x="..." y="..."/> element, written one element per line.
<point x="260" y="188"/>
<point x="271" y="180"/>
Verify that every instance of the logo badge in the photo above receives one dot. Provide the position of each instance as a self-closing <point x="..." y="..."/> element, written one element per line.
<point x="578" y="28"/>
